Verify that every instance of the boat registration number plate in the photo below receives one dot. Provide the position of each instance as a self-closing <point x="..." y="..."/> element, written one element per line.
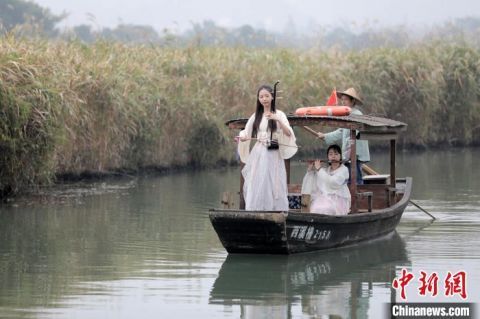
<point x="310" y="233"/>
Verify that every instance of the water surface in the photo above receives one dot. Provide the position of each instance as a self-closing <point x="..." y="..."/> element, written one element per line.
<point x="144" y="248"/>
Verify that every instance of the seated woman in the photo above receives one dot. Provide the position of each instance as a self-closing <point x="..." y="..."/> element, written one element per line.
<point x="328" y="185"/>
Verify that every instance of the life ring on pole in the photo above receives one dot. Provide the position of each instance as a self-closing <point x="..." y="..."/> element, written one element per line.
<point x="324" y="110"/>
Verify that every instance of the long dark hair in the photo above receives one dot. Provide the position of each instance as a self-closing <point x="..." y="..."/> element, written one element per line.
<point x="272" y="125"/>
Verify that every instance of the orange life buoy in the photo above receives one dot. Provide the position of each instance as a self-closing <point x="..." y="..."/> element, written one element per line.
<point x="324" y="110"/>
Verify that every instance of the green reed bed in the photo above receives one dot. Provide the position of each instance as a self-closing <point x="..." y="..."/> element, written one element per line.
<point x="70" y="108"/>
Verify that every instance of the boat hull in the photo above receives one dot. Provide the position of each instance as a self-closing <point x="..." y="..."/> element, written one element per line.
<point x="294" y="232"/>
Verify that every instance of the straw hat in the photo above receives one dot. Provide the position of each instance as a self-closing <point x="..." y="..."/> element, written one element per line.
<point x="351" y="93"/>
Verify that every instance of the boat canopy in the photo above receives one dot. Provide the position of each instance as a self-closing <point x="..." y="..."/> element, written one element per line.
<point x="370" y="127"/>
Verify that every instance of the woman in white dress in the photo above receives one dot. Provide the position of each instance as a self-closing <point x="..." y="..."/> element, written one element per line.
<point x="328" y="185"/>
<point x="265" y="176"/>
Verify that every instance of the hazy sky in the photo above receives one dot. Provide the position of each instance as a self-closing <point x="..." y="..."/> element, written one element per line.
<point x="270" y="14"/>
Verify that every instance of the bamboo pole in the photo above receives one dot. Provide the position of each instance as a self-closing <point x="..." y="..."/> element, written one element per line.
<point x="310" y="130"/>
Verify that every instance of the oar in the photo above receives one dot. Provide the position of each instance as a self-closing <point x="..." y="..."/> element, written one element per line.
<point x="423" y="210"/>
<point x="370" y="171"/>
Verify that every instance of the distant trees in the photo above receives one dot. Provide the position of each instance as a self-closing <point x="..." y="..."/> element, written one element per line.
<point x="206" y="33"/>
<point x="29" y="17"/>
<point x="126" y="33"/>
<point x="464" y="30"/>
<point x="210" y="34"/>
<point x="82" y="32"/>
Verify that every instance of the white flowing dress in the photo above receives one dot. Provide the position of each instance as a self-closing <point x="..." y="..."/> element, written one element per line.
<point x="329" y="191"/>
<point x="265" y="176"/>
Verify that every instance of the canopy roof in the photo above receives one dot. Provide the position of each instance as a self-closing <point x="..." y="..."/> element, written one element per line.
<point x="370" y="127"/>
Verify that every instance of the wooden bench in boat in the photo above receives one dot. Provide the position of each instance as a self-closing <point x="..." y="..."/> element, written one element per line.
<point x="369" y="197"/>
<point x="376" y="179"/>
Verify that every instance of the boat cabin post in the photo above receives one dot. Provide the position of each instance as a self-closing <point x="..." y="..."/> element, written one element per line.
<point x="392" y="162"/>
<point x="353" y="171"/>
<point x="393" y="188"/>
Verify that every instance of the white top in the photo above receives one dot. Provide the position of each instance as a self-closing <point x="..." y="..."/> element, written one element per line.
<point x="341" y="137"/>
<point x="327" y="181"/>
<point x="287" y="144"/>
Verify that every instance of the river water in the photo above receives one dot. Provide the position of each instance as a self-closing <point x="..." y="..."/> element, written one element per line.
<point x="144" y="248"/>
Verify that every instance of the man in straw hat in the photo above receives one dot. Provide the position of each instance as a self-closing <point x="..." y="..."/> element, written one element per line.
<point x="341" y="136"/>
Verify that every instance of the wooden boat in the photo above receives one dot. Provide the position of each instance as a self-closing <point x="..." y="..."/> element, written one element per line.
<point x="376" y="206"/>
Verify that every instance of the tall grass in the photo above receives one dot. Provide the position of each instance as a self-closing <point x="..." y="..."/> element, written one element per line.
<point x="66" y="107"/>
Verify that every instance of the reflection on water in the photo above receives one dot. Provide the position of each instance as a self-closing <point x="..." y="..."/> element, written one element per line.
<point x="145" y="248"/>
<point x="310" y="283"/>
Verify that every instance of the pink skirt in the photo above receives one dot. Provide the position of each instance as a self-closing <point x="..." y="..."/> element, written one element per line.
<point x="329" y="204"/>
